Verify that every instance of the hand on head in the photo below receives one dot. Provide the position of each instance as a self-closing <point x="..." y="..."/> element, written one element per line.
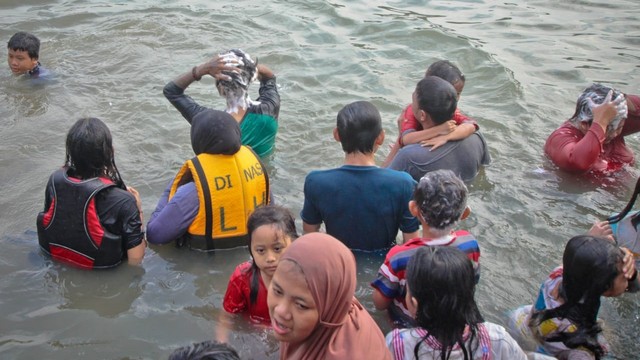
<point x="605" y="113"/>
<point x="218" y="64"/>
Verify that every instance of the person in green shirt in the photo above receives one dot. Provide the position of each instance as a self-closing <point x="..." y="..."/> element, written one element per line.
<point x="234" y="71"/>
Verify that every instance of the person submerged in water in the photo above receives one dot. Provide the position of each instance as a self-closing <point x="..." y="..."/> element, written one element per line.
<point x="593" y="138"/>
<point x="23" y="55"/>
<point x="234" y="70"/>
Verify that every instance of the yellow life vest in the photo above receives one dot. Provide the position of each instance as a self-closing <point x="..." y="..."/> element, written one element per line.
<point x="229" y="188"/>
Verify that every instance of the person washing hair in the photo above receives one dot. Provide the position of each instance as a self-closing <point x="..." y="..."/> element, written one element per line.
<point x="91" y="220"/>
<point x="563" y="321"/>
<point x="593" y="138"/>
<point x="234" y="70"/>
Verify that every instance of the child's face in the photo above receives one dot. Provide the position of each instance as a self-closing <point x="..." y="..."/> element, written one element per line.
<point x="20" y="62"/>
<point x="294" y="315"/>
<point x="619" y="285"/>
<point x="267" y="245"/>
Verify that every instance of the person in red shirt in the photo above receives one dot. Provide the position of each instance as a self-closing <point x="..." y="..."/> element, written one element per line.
<point x="593" y="138"/>
<point x="272" y="228"/>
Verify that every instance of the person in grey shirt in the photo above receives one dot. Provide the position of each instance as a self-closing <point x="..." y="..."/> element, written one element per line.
<point x="434" y="102"/>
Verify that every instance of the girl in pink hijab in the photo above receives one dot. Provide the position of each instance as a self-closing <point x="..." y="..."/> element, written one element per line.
<point x="312" y="306"/>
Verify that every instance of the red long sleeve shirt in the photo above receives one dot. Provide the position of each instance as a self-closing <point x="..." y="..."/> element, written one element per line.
<point x="571" y="150"/>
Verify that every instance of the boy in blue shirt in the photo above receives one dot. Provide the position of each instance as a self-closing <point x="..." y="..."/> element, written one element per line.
<point x="23" y="54"/>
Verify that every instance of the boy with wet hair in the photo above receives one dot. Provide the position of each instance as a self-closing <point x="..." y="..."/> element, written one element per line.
<point x="439" y="202"/>
<point x="360" y="204"/>
<point x="23" y="54"/>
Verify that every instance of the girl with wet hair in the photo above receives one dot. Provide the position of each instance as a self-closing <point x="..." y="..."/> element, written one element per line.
<point x="458" y="127"/>
<point x="91" y="219"/>
<point x="234" y="70"/>
<point x="271" y="230"/>
<point x="439" y="202"/>
<point x="563" y="321"/>
<point x="440" y="295"/>
<point x="593" y="138"/>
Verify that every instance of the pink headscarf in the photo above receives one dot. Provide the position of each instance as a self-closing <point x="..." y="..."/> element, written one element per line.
<point x="345" y="329"/>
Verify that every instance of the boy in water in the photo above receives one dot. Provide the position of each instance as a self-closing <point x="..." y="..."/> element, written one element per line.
<point x="359" y="203"/>
<point x="23" y="54"/>
<point x="439" y="202"/>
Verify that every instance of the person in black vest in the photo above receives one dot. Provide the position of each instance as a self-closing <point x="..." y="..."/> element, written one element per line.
<point x="91" y="219"/>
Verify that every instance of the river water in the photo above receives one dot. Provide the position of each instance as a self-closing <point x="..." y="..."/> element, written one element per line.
<point x="525" y="63"/>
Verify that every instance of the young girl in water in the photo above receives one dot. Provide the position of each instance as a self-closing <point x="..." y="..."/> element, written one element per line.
<point x="440" y="294"/>
<point x="458" y="128"/>
<point x="563" y="321"/>
<point x="313" y="310"/>
<point x="272" y="229"/>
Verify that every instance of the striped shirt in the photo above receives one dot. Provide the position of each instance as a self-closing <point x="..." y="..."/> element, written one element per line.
<point x="391" y="276"/>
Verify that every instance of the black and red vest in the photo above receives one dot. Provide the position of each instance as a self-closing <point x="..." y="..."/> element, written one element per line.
<point x="70" y="230"/>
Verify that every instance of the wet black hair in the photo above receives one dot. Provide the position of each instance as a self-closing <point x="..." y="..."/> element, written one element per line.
<point x="446" y="70"/>
<point x="442" y="280"/>
<point x="90" y="151"/>
<point x="590" y="266"/>
<point x="359" y="124"/>
<point x="635" y="220"/>
<point x="280" y="218"/>
<point x="437" y="97"/>
<point x="23" y="41"/>
<point x="206" y="350"/>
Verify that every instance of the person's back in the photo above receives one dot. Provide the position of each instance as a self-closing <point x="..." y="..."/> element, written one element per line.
<point x="439" y="201"/>
<point x="360" y="204"/>
<point x="90" y="220"/>
<point x="434" y="103"/>
<point x="440" y="291"/>
<point x="464" y="157"/>
<point x="207" y="204"/>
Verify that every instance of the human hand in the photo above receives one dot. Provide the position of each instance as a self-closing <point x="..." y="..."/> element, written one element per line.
<point x="602" y="229"/>
<point x="446" y="127"/>
<point x="218" y="64"/>
<point x="603" y="114"/>
<point x="435" y="142"/>
<point x="628" y="263"/>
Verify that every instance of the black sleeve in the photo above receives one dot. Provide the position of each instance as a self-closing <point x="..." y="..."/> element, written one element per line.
<point x="269" y="98"/>
<point x="118" y="213"/>
<point x="184" y="103"/>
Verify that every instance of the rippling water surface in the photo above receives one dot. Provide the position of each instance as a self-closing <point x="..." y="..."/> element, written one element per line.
<point x="525" y="63"/>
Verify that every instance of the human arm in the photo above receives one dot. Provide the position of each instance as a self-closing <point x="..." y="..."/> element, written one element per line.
<point x="408" y="236"/>
<point x="414" y="137"/>
<point x="602" y="229"/>
<point x="386" y="285"/>
<point x="309" y="228"/>
<point x="577" y="147"/>
<point x="461" y="131"/>
<point x="174" y="90"/>
<point x="632" y="124"/>
<point x="172" y="218"/>
<point x="630" y="271"/>
<point x="135" y="254"/>
<point x="396" y="145"/>
<point x="268" y="95"/>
